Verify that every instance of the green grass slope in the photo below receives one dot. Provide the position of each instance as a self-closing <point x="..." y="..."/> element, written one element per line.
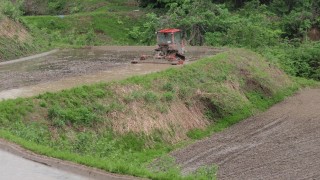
<point x="15" y="40"/>
<point x="56" y="7"/>
<point x="123" y="126"/>
<point x="108" y="23"/>
<point x="90" y="23"/>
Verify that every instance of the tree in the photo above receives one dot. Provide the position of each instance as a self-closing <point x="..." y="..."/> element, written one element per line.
<point x="193" y="17"/>
<point x="11" y="10"/>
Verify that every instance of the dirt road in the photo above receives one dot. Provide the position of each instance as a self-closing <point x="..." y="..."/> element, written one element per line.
<point x="282" y="143"/>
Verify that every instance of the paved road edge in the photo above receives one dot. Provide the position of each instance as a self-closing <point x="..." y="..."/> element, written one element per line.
<point x="89" y="172"/>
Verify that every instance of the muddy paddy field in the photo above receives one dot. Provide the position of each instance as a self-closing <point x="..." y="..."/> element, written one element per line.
<point x="72" y="67"/>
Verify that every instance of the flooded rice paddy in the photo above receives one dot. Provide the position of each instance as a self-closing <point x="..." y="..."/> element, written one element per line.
<point x="68" y="68"/>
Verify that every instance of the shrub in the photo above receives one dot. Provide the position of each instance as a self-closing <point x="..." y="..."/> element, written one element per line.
<point x="306" y="60"/>
<point x="168" y="87"/>
<point x="12" y="10"/>
<point x="302" y="60"/>
<point x="168" y="96"/>
<point x="56" y="6"/>
<point x="150" y="97"/>
<point x="78" y="116"/>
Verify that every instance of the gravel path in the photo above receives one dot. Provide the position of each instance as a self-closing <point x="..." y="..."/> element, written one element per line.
<point x="282" y="143"/>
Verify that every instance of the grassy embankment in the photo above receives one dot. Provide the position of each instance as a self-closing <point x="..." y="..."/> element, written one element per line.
<point x="15" y="40"/>
<point x="108" y="24"/>
<point x="97" y="23"/>
<point x="123" y="126"/>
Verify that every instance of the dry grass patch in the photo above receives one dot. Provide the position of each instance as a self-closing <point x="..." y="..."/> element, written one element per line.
<point x="13" y="30"/>
<point x="174" y="124"/>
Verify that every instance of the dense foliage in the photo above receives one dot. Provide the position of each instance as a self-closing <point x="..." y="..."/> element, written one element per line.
<point x="11" y="10"/>
<point x="281" y="25"/>
<point x="292" y="18"/>
<point x="58" y="7"/>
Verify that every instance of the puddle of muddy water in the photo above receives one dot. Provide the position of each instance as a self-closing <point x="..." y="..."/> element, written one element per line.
<point x="73" y="67"/>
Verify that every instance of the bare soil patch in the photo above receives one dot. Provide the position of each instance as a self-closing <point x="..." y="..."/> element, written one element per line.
<point x="282" y="143"/>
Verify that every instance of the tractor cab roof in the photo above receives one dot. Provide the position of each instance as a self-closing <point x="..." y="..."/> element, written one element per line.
<point x="169" y="31"/>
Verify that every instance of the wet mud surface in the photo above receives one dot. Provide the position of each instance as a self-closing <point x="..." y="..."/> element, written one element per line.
<point x="87" y="65"/>
<point x="282" y="143"/>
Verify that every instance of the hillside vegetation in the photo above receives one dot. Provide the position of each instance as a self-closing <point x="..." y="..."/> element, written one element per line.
<point x="65" y="24"/>
<point x="287" y="32"/>
<point x="59" y="7"/>
<point x="97" y="23"/>
<point x="15" y="40"/>
<point x="122" y="126"/>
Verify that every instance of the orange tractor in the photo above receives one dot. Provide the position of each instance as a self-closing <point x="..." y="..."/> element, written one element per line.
<point x="170" y="49"/>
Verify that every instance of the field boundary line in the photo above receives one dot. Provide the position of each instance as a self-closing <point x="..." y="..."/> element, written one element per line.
<point x="29" y="57"/>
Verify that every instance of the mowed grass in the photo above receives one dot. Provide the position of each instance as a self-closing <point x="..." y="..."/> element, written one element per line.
<point x="80" y="124"/>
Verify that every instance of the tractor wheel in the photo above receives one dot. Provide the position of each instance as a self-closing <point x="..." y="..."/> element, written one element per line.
<point x="134" y="62"/>
<point x="181" y="62"/>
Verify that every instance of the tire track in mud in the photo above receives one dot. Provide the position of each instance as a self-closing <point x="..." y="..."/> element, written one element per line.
<point x="282" y="143"/>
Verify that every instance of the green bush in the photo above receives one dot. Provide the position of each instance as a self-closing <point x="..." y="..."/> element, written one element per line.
<point x="168" y="87"/>
<point x="77" y="116"/>
<point x="11" y="10"/>
<point x="150" y="97"/>
<point x="306" y="60"/>
<point x="302" y="60"/>
<point x="56" y="6"/>
<point x="168" y="96"/>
